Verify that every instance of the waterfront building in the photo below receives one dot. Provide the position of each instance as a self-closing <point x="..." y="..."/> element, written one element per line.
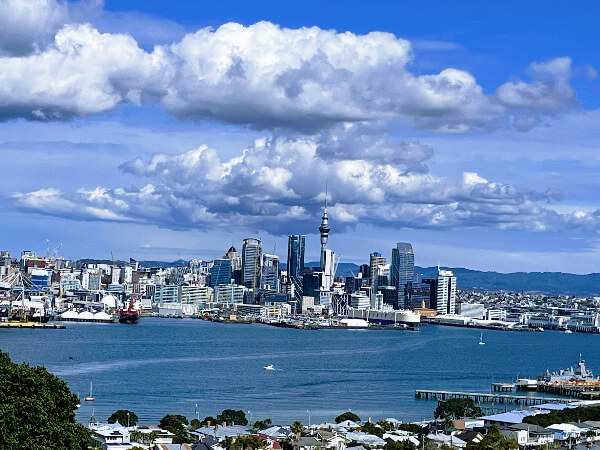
<point x="402" y="271"/>
<point x="359" y="301"/>
<point x="419" y="295"/>
<point x="446" y="292"/>
<point x="220" y="272"/>
<point x="229" y="293"/>
<point x="295" y="263"/>
<point x="251" y="263"/>
<point x="40" y="278"/>
<point x="168" y="293"/>
<point x="390" y="295"/>
<point x="270" y="272"/>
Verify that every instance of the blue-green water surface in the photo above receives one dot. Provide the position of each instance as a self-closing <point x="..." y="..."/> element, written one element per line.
<point x="164" y="366"/>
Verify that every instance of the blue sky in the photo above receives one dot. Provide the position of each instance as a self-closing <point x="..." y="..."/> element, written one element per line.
<point x="161" y="130"/>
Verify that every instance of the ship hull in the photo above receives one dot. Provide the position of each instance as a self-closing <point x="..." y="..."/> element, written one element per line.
<point x="129" y="318"/>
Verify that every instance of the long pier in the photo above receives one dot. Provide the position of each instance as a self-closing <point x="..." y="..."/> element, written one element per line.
<point x="31" y="325"/>
<point x="487" y="398"/>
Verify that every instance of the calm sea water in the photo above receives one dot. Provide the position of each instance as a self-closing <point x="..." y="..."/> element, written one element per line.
<point x="162" y="366"/>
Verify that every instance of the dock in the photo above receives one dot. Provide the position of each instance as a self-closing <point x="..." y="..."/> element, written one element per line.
<point x="29" y="325"/>
<point x="487" y="398"/>
<point x="503" y="387"/>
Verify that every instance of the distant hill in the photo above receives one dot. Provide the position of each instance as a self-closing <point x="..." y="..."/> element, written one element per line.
<point x="554" y="283"/>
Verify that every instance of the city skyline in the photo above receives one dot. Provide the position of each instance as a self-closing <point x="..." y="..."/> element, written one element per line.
<point x="171" y="131"/>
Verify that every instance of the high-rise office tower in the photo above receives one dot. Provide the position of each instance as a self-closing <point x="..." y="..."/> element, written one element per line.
<point x="251" y="263"/>
<point x="220" y="272"/>
<point x="402" y="271"/>
<point x="295" y="262"/>
<point x="270" y="272"/>
<point x="376" y="262"/>
<point x="446" y="292"/>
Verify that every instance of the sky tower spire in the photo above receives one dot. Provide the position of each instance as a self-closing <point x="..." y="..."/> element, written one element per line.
<point x="324" y="229"/>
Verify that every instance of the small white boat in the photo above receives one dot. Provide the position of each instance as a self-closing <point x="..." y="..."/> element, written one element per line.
<point x="540" y="329"/>
<point x="481" y="340"/>
<point x="568" y="331"/>
<point x="270" y="367"/>
<point x="90" y="398"/>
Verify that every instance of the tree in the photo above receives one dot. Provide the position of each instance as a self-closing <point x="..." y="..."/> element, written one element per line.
<point x="195" y="423"/>
<point x="456" y="408"/>
<point x="372" y="429"/>
<point x="347" y="416"/>
<point x="175" y="423"/>
<point x="400" y="445"/>
<point x="262" y="424"/>
<point x="495" y="440"/>
<point x="297" y="429"/>
<point x="387" y="426"/>
<point x="410" y="427"/>
<point x="124" y="417"/>
<point x="208" y="420"/>
<point x="37" y="409"/>
<point x="231" y="416"/>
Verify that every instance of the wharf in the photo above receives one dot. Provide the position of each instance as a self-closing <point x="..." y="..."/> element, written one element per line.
<point x="29" y="325"/>
<point x="488" y="398"/>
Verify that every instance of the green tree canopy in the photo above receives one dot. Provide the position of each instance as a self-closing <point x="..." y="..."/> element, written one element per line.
<point x="410" y="427"/>
<point x="37" y="409"/>
<point x="579" y="414"/>
<point x="209" y="419"/>
<point x="232" y="416"/>
<point x="124" y="417"/>
<point x="347" y="416"/>
<point x="195" y="423"/>
<point x="297" y="428"/>
<point x="402" y="445"/>
<point x="175" y="423"/>
<point x="456" y="408"/>
<point x="262" y="424"/>
<point x="372" y="429"/>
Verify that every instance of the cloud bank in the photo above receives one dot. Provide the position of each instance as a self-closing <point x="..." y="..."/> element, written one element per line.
<point x="277" y="185"/>
<point x="262" y="75"/>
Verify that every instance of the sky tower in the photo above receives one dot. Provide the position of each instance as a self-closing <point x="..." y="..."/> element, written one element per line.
<point x="324" y="229"/>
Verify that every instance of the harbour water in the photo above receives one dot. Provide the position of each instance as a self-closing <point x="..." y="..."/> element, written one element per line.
<point x="195" y="367"/>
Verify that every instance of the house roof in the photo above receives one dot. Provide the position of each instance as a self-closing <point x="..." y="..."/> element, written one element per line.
<point x="564" y="427"/>
<point x="308" y="441"/>
<point x="536" y="429"/>
<point x="447" y="439"/>
<point x="510" y="417"/>
<point x="468" y="436"/>
<point x="223" y="432"/>
<point x="365" y="438"/>
<point x="276" y="431"/>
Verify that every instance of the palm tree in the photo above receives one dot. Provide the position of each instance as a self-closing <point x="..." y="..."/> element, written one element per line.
<point x="297" y="428"/>
<point x="228" y="443"/>
<point x="136" y="436"/>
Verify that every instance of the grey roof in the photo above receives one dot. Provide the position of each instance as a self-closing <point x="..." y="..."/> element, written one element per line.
<point x="468" y="436"/>
<point x="591" y="423"/>
<point x="308" y="441"/>
<point x="536" y="429"/>
<point x="223" y="432"/>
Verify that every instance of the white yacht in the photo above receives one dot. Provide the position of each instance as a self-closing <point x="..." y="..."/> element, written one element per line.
<point x="270" y="367"/>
